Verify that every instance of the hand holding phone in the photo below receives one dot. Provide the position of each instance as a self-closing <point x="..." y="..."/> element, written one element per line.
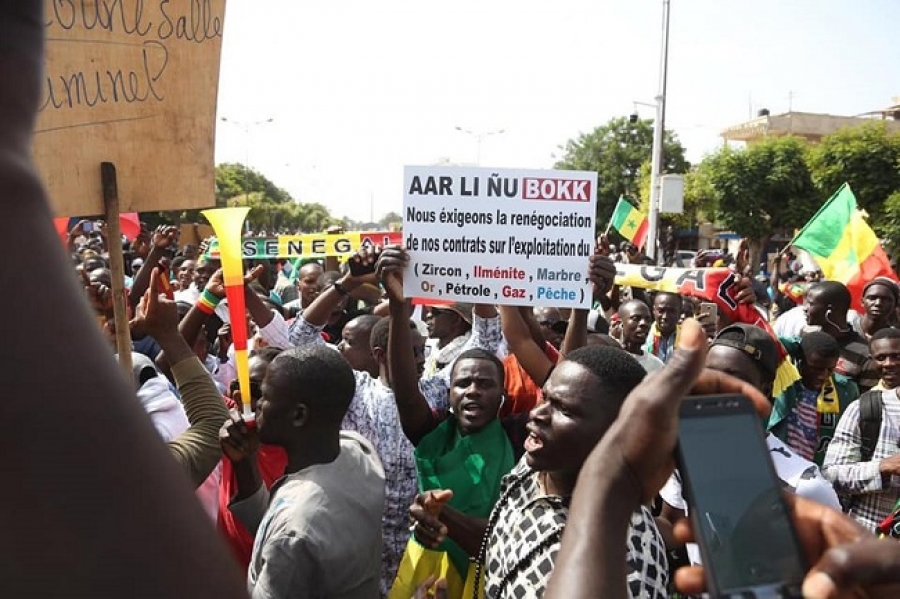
<point x="709" y="318"/>
<point x="709" y="311"/>
<point x="361" y="266"/>
<point x="746" y="536"/>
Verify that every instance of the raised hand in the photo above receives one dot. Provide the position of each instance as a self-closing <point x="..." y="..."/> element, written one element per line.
<point x="155" y="315"/>
<point x="742" y="261"/>
<point x="165" y="236"/>
<point x="239" y="441"/>
<point x="602" y="273"/>
<point x="216" y="284"/>
<point x="99" y="295"/>
<point x="646" y="445"/>
<point x="601" y="245"/>
<point x="80" y="228"/>
<point x="363" y="265"/>
<point x="426" y="511"/>
<point x="391" y="263"/>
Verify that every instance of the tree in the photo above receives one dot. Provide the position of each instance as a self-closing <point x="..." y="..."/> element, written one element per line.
<point x="760" y="190"/>
<point x="867" y="157"/>
<point x="233" y="180"/>
<point x="616" y="151"/>
<point x="889" y="222"/>
<point x="272" y="209"/>
<point x="389" y="220"/>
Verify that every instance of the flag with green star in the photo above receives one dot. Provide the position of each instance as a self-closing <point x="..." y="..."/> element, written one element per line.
<point x="630" y="222"/>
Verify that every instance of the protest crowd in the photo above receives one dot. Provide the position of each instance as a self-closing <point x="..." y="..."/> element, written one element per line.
<point x="403" y="448"/>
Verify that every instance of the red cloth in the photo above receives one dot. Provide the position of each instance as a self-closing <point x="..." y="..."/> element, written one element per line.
<point x="271" y="461"/>
<point x="521" y="392"/>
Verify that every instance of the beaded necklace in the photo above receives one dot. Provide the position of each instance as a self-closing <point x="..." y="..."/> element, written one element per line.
<point x="548" y="541"/>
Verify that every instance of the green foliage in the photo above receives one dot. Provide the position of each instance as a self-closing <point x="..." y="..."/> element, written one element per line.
<point x="617" y="151"/>
<point x="272" y="208"/>
<point x="234" y="180"/>
<point x="889" y="222"/>
<point x="760" y="190"/>
<point x="391" y="219"/>
<point x="867" y="157"/>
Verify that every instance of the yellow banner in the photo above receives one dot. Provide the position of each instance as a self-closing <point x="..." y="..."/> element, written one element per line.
<point x="311" y="245"/>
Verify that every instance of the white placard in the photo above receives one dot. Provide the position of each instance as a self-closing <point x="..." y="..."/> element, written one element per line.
<point x="499" y="236"/>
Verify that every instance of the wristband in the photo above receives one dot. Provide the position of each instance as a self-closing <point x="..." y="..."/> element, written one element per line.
<point x="207" y="302"/>
<point x="340" y="288"/>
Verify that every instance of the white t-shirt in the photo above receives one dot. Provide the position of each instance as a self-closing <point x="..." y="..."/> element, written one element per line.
<point x="650" y="362"/>
<point x="801" y="475"/>
<point x="791" y="323"/>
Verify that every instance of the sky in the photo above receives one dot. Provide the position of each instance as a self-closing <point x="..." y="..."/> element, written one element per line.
<point x="357" y="89"/>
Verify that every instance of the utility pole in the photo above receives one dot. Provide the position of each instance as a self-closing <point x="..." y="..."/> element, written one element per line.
<point x="659" y="127"/>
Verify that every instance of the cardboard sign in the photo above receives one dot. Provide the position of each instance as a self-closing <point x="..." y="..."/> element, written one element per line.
<point x="193" y="234"/>
<point x="131" y="82"/>
<point x="499" y="236"/>
<point x="312" y="245"/>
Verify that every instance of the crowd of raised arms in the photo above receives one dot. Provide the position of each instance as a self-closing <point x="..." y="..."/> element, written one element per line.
<point x="404" y="449"/>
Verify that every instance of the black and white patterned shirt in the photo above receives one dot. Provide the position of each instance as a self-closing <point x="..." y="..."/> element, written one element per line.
<point x="524" y="542"/>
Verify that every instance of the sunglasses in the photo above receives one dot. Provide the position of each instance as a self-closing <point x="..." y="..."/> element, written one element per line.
<point x="255" y="388"/>
<point x="558" y="326"/>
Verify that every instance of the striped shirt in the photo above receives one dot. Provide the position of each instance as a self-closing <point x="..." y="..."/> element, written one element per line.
<point x="871" y="496"/>
<point x="855" y="362"/>
<point x="803" y="425"/>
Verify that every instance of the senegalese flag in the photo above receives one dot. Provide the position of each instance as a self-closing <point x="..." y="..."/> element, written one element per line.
<point x="844" y="246"/>
<point x="630" y="222"/>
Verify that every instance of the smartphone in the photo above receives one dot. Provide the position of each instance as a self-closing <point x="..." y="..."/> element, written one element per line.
<point x="89" y="227"/>
<point x="711" y="309"/>
<point x="747" y="540"/>
<point x="358" y="269"/>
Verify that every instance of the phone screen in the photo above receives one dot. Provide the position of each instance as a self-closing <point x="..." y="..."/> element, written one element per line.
<point x="746" y="538"/>
<point x="711" y="309"/>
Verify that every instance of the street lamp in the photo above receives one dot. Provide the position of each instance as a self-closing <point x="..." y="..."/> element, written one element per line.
<point x="246" y="127"/>
<point x="479" y="137"/>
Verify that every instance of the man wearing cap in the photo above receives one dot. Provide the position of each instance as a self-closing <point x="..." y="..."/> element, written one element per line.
<point x="748" y="353"/>
<point x="879" y="299"/>
<point x="450" y="325"/>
